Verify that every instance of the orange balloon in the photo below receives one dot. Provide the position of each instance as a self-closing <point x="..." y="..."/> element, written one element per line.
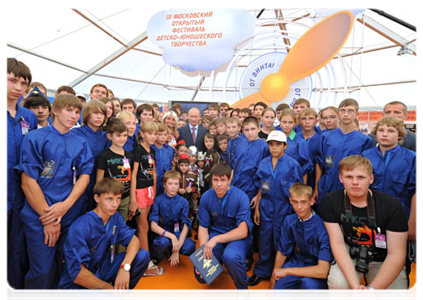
<point x="274" y="87"/>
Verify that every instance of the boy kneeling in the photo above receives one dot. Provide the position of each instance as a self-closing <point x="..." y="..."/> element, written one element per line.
<point x="169" y="220"/>
<point x="90" y="256"/>
<point x="304" y="248"/>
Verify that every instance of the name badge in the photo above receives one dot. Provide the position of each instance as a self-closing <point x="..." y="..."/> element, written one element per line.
<point x="126" y="164"/>
<point x="24" y="127"/>
<point x="380" y="241"/>
<point x="176" y="227"/>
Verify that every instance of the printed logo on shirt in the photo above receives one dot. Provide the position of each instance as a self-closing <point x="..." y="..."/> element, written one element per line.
<point x="265" y="186"/>
<point x="48" y="171"/>
<point x="330" y="160"/>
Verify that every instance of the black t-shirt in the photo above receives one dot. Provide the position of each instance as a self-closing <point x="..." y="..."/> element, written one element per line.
<point x="390" y="215"/>
<point x="263" y="135"/>
<point x="145" y="175"/>
<point x="117" y="166"/>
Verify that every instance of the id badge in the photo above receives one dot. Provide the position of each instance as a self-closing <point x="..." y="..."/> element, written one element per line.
<point x="126" y="164"/>
<point x="24" y="127"/>
<point x="176" y="227"/>
<point x="380" y="241"/>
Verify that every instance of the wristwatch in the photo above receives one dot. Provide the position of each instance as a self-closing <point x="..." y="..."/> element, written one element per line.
<point x="374" y="292"/>
<point x="125" y="267"/>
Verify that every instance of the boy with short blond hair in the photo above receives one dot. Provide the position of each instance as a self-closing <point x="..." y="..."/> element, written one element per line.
<point x="169" y="220"/>
<point x="130" y="121"/>
<point x="304" y="256"/>
<point x="103" y="268"/>
<point x="367" y="231"/>
<point x="394" y="167"/>
<point x="55" y="169"/>
<point x="245" y="165"/>
<point x="94" y="116"/>
<point x="163" y="156"/>
<point x="308" y="121"/>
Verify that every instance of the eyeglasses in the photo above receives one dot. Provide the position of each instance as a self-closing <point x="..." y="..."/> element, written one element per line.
<point x="329" y="118"/>
<point x="350" y="111"/>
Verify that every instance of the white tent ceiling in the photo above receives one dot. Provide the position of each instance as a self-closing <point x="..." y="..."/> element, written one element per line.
<point x="81" y="47"/>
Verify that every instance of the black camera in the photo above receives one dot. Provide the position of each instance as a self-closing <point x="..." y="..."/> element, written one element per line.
<point x="363" y="255"/>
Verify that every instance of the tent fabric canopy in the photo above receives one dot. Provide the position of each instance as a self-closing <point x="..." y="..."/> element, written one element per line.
<point x="82" y="47"/>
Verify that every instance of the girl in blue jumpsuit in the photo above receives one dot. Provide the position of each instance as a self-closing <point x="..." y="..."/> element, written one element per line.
<point x="274" y="206"/>
<point x="304" y="243"/>
<point x="55" y="161"/>
<point x="334" y="146"/>
<point x="221" y="217"/>
<point x="91" y="243"/>
<point x="170" y="213"/>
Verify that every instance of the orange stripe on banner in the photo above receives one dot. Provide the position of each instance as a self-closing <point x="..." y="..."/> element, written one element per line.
<point x="364" y="116"/>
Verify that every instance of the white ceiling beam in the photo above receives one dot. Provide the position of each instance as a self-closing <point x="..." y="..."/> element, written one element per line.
<point x="139" y="39"/>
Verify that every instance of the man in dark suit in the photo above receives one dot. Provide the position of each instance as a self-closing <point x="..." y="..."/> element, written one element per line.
<point x="399" y="110"/>
<point x="193" y="133"/>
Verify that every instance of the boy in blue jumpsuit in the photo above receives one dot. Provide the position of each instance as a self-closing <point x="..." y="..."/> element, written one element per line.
<point x="163" y="157"/>
<point x="55" y="168"/>
<point x="246" y="161"/>
<point x="20" y="121"/>
<point x="225" y="225"/>
<point x="308" y="121"/>
<point x="248" y="158"/>
<point x="93" y="118"/>
<point x="169" y="220"/>
<point x="334" y="146"/>
<point x="91" y="259"/>
<point x="275" y="175"/>
<point x="396" y="172"/>
<point x="304" y="254"/>
<point x="235" y="141"/>
<point x="297" y="146"/>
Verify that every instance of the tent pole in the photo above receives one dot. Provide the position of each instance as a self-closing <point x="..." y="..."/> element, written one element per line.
<point x="395" y="19"/>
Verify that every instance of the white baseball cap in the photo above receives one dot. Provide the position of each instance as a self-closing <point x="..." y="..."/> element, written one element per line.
<point x="276" y="135"/>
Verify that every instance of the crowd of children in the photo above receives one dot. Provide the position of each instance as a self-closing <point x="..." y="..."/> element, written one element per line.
<point x="98" y="199"/>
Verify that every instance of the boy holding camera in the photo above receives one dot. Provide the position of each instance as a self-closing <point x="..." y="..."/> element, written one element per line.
<point x="367" y="231"/>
